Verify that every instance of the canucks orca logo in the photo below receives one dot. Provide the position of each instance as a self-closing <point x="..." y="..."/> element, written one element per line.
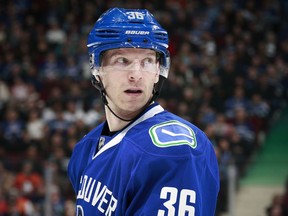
<point x="172" y="133"/>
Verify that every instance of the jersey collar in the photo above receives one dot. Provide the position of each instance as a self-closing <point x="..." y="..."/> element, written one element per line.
<point x="151" y="111"/>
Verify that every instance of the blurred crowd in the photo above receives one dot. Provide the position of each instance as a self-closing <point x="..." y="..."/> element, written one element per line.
<point x="229" y="76"/>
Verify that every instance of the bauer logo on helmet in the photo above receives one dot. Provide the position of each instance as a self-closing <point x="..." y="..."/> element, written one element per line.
<point x="133" y="32"/>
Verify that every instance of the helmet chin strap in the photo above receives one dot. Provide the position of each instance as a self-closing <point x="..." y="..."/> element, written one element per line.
<point x="99" y="85"/>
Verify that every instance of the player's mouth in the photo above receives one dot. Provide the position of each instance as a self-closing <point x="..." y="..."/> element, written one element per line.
<point x="133" y="91"/>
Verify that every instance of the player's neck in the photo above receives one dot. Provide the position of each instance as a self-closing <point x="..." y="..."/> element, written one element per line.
<point x="115" y="123"/>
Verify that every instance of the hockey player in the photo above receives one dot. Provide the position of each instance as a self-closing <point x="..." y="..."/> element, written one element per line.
<point x="143" y="160"/>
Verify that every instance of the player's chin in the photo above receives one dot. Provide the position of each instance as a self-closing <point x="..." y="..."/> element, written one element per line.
<point x="135" y="96"/>
<point x="136" y="104"/>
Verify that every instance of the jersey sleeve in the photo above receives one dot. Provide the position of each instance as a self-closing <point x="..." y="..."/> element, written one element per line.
<point x="173" y="185"/>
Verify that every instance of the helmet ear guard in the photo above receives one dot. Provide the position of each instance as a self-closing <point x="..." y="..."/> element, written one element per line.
<point x="97" y="83"/>
<point x="157" y="88"/>
<point x="96" y="80"/>
<point x="95" y="72"/>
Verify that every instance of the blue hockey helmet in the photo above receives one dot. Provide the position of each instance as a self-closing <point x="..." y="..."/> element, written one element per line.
<point x="127" y="28"/>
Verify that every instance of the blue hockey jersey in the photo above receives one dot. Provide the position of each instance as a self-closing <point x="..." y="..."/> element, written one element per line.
<point x="159" y="165"/>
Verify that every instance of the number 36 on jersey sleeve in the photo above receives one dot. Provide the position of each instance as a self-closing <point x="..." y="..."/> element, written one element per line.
<point x="182" y="200"/>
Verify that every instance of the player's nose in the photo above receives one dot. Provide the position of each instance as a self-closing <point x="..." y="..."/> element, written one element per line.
<point x="135" y="72"/>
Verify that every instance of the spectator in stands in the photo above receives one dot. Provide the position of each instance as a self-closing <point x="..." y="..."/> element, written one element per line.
<point x="12" y="129"/>
<point x="69" y="207"/>
<point x="206" y="115"/>
<point x="222" y="127"/>
<point x="35" y="126"/>
<point x="19" y="204"/>
<point x="285" y="197"/>
<point x="55" y="35"/>
<point x="237" y="100"/>
<point x="72" y="112"/>
<point x="259" y="112"/>
<point x="57" y="202"/>
<point x="59" y="124"/>
<point x="19" y="90"/>
<point x="276" y="208"/>
<point x="245" y="130"/>
<point x="4" y="93"/>
<point x="29" y="183"/>
<point x="94" y="115"/>
<point x="3" y="204"/>
<point x="6" y="180"/>
<point x="50" y="69"/>
<point x="71" y="68"/>
<point x="34" y="155"/>
<point x="225" y="159"/>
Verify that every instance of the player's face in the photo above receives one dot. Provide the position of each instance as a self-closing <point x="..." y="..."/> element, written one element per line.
<point x="128" y="76"/>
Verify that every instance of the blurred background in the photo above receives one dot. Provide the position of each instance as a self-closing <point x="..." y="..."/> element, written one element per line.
<point x="229" y="76"/>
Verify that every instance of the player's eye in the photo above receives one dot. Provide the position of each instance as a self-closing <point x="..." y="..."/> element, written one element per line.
<point x="120" y="63"/>
<point x="121" y="60"/>
<point x="148" y="61"/>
